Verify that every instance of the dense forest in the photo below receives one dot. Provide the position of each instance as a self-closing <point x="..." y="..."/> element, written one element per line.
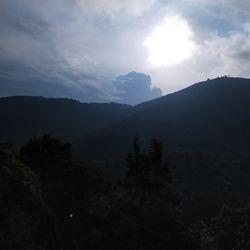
<point x="171" y="173"/>
<point x="50" y="201"/>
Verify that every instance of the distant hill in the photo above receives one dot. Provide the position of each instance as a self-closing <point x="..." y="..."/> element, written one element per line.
<point x="23" y="117"/>
<point x="124" y="89"/>
<point x="209" y="116"/>
<point x="212" y="116"/>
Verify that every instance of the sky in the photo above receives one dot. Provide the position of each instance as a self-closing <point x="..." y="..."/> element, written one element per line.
<point x="79" y="48"/>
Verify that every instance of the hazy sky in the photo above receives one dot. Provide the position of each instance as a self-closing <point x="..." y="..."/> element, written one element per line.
<point x="77" y="43"/>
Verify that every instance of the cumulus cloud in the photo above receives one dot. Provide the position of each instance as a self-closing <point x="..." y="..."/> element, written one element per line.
<point x="135" y="88"/>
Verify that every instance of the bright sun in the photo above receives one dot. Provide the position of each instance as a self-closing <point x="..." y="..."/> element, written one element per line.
<point x="170" y="43"/>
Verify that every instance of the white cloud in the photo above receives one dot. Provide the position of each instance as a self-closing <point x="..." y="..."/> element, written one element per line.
<point x="111" y="7"/>
<point x="236" y="4"/>
<point x="231" y="54"/>
<point x="218" y="56"/>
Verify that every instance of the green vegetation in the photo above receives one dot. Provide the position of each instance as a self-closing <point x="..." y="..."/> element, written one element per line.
<point x="26" y="222"/>
<point x="49" y="201"/>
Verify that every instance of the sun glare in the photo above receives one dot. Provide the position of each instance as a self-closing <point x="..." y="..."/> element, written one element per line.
<point x="170" y="43"/>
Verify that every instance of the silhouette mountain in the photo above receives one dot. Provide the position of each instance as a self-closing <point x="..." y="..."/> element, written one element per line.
<point x="208" y="116"/>
<point x="23" y="117"/>
<point x="212" y="116"/>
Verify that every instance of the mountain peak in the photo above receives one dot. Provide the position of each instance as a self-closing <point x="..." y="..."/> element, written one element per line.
<point x="212" y="115"/>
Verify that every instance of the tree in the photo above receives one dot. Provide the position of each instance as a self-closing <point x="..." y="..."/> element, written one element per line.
<point x="67" y="186"/>
<point x="149" y="206"/>
<point x="47" y="156"/>
<point x="51" y="160"/>
<point x="25" y="221"/>
<point x="231" y="228"/>
<point x="148" y="171"/>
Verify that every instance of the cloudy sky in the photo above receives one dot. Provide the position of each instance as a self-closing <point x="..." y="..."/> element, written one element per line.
<point x="73" y="48"/>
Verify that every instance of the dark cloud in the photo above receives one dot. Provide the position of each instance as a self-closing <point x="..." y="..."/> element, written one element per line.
<point x="33" y="26"/>
<point x="132" y="88"/>
<point x="87" y="93"/>
<point x="17" y="79"/>
<point x="135" y="88"/>
<point x="243" y="55"/>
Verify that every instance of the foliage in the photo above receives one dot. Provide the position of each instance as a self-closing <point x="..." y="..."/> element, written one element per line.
<point x="53" y="202"/>
<point x="25" y="221"/>
<point x="143" y="212"/>
<point x="231" y="228"/>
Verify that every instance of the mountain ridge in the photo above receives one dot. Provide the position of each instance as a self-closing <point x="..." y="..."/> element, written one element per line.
<point x="212" y="115"/>
<point x="193" y="118"/>
<point x="28" y="116"/>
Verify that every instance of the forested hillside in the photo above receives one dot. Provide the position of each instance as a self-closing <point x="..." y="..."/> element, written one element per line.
<point x="209" y="116"/>
<point x="24" y="117"/>
<point x="172" y="173"/>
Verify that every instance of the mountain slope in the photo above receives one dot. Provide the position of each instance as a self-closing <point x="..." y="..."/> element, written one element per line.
<point x="24" y="117"/>
<point x="212" y="115"/>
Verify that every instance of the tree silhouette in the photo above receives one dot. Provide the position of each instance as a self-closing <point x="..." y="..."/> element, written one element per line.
<point x="152" y="205"/>
<point x="148" y="171"/>
<point x="25" y="221"/>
